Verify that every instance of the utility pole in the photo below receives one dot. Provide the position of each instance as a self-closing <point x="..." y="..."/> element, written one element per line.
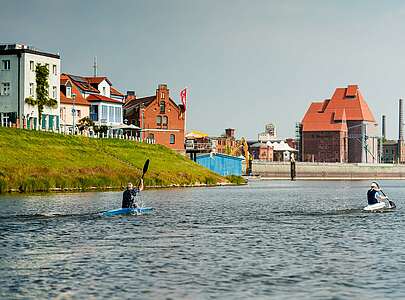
<point x="74" y="113"/>
<point x="95" y="66"/>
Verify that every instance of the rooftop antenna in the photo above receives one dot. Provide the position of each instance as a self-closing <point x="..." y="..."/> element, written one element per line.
<point x="95" y="66"/>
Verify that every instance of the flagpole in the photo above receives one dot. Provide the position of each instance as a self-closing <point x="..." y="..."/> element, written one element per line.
<point x="185" y="115"/>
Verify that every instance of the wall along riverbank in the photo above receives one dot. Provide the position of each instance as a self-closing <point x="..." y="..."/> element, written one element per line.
<point x="328" y="171"/>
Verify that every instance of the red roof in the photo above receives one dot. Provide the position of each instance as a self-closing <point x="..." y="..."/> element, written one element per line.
<point x="97" y="79"/>
<point x="63" y="79"/>
<point x="93" y="98"/>
<point x="79" y="99"/>
<point x="116" y="92"/>
<point x="346" y="104"/>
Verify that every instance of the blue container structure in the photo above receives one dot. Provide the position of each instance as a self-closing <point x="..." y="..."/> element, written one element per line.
<point x="221" y="163"/>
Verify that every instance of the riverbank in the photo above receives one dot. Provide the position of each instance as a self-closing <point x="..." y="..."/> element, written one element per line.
<point x="32" y="161"/>
<point x="328" y="171"/>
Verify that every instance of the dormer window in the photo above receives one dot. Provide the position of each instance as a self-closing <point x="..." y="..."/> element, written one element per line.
<point x="104" y="91"/>
<point x="162" y="106"/>
<point x="68" y="92"/>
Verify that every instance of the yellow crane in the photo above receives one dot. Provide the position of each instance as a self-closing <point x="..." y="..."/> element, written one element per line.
<point x="242" y="148"/>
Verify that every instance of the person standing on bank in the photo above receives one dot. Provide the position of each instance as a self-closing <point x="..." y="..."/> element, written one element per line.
<point x="128" y="198"/>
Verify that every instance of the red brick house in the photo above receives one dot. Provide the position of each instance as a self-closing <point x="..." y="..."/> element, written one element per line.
<point x="158" y="116"/>
<point x="261" y="151"/>
<point x="340" y="129"/>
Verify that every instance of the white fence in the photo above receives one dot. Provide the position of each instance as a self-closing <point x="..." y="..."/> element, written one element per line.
<point x="108" y="135"/>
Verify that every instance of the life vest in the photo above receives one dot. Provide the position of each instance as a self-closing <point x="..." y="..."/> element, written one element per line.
<point x="371" y="197"/>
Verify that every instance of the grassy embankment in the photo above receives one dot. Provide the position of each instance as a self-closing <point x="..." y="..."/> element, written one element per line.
<point x="40" y="161"/>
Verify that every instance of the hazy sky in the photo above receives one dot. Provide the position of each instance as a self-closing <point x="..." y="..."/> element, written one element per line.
<point x="246" y="63"/>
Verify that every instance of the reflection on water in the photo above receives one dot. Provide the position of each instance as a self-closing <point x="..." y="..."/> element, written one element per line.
<point x="283" y="240"/>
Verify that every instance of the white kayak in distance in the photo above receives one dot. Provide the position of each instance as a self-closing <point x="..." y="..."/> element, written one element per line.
<point x="381" y="206"/>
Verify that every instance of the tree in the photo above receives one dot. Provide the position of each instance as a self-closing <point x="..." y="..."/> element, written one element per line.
<point x="42" y="90"/>
<point x="85" y="123"/>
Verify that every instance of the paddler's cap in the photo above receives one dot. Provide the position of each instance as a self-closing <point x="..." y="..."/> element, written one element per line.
<point x="373" y="185"/>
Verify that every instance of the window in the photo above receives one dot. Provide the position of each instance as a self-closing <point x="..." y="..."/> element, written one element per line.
<point x="104" y="113"/>
<point x="94" y="112"/>
<point x="118" y="118"/>
<point x="172" y="139"/>
<point x="32" y="89"/>
<point x="164" y="121"/>
<point x="159" y="120"/>
<point x="6" y="64"/>
<point x="111" y="114"/>
<point x="79" y="113"/>
<point x="162" y="106"/>
<point x="162" y="95"/>
<point x="104" y="91"/>
<point x="32" y="67"/>
<point x="5" y="89"/>
<point x="54" y="70"/>
<point x="54" y="92"/>
<point x="68" y="92"/>
<point x="63" y="113"/>
<point x="151" y="136"/>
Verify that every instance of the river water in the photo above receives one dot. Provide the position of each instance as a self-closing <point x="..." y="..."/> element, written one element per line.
<point x="266" y="240"/>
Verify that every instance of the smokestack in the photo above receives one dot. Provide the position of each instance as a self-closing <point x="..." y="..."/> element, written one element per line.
<point x="401" y="120"/>
<point x="383" y="127"/>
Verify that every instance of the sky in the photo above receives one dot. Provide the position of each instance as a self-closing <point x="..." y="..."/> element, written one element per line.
<point x="245" y="63"/>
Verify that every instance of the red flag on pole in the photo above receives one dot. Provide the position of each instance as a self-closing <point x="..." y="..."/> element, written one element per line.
<point x="183" y="97"/>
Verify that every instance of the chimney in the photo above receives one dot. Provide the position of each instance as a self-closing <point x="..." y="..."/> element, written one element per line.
<point x="401" y="120"/>
<point x="130" y="93"/>
<point x="230" y="132"/>
<point x="383" y="127"/>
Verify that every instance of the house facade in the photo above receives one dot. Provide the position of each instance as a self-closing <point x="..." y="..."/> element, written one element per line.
<point x="340" y="129"/>
<point x="92" y="97"/>
<point x="18" y="82"/>
<point x="158" y="116"/>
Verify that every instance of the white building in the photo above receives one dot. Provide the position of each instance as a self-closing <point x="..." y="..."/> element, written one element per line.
<point x="95" y="97"/>
<point x="18" y="82"/>
<point x="268" y="134"/>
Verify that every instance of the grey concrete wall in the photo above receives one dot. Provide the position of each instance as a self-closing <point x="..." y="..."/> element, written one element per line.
<point x="328" y="170"/>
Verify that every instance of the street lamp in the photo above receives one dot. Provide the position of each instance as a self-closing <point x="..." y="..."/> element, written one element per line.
<point x="142" y="108"/>
<point x="74" y="113"/>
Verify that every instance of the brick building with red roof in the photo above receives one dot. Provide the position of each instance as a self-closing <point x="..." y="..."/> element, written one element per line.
<point x="340" y="129"/>
<point x="159" y="117"/>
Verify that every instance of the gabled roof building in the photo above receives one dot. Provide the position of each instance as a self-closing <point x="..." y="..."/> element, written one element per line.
<point x="158" y="116"/>
<point x="93" y="97"/>
<point x="340" y="129"/>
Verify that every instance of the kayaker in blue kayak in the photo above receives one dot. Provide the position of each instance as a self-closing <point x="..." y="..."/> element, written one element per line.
<point x="374" y="195"/>
<point x="128" y="198"/>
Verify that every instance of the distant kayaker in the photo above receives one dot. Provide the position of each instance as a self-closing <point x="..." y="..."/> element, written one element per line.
<point x="374" y="195"/>
<point x="128" y="198"/>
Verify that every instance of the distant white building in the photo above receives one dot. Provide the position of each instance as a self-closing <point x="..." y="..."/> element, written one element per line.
<point x="18" y="82"/>
<point x="268" y="134"/>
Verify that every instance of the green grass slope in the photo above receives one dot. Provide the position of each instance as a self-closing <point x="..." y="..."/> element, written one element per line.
<point x="41" y="161"/>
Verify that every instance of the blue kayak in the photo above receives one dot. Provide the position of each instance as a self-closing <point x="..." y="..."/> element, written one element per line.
<point x="127" y="211"/>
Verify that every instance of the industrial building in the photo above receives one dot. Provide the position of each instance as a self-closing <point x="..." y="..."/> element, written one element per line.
<point x="340" y="129"/>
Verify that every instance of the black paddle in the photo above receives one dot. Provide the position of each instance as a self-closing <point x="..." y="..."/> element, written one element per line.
<point x="145" y="168"/>
<point x="389" y="201"/>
